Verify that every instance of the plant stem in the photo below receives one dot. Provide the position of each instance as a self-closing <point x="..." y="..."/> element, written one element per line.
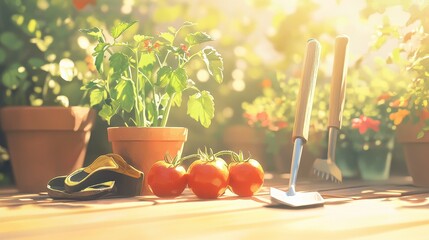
<point x="136" y="100"/>
<point x="167" y="110"/>
<point x="189" y="59"/>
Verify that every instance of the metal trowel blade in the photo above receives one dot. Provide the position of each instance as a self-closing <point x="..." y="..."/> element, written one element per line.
<point x="299" y="199"/>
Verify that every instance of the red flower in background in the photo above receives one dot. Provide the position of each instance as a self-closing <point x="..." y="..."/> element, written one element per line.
<point x="264" y="120"/>
<point x="250" y="119"/>
<point x="81" y="4"/>
<point x="156" y="45"/>
<point x="364" y="123"/>
<point x="149" y="46"/>
<point x="262" y="117"/>
<point x="277" y="125"/>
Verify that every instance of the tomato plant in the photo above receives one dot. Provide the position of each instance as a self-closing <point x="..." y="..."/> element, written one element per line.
<point x="208" y="176"/>
<point x="246" y="176"/>
<point x="167" y="178"/>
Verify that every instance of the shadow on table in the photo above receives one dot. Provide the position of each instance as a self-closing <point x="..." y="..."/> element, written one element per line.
<point x="414" y="201"/>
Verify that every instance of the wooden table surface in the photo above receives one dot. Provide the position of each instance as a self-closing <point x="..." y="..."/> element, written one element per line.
<point x="392" y="209"/>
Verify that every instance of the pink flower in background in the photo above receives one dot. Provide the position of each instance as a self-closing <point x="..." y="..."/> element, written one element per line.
<point x="364" y="123"/>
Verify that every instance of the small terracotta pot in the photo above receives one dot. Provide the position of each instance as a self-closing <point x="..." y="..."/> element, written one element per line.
<point x="416" y="152"/>
<point x="142" y="147"/>
<point x="45" y="142"/>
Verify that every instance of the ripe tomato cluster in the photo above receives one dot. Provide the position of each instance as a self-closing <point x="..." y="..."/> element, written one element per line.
<point x="208" y="177"/>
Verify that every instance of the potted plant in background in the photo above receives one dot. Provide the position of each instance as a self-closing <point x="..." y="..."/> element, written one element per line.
<point x="366" y="143"/>
<point x="45" y="136"/>
<point x="271" y="114"/>
<point x="372" y="141"/>
<point x="142" y="80"/>
<point x="410" y="106"/>
<point x="266" y="115"/>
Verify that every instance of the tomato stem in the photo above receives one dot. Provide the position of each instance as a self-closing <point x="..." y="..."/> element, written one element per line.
<point x="177" y="161"/>
<point x="234" y="156"/>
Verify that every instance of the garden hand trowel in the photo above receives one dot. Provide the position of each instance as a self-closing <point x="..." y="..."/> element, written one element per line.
<point x="300" y="132"/>
<point x="326" y="168"/>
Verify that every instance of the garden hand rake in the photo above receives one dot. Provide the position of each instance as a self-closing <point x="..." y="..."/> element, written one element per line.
<point x="326" y="168"/>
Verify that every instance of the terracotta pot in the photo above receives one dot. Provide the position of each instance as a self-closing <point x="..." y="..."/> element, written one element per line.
<point x="247" y="139"/>
<point x="142" y="147"/>
<point x="45" y="142"/>
<point x="416" y="152"/>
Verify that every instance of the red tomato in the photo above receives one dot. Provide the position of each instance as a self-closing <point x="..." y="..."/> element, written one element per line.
<point x="208" y="179"/>
<point x="166" y="180"/>
<point x="245" y="178"/>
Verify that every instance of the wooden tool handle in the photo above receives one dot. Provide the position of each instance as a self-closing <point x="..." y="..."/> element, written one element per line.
<point x="306" y="90"/>
<point x="338" y="82"/>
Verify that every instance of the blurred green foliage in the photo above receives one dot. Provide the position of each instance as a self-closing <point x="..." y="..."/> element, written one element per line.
<point x="411" y="55"/>
<point x="43" y="58"/>
<point x="256" y="38"/>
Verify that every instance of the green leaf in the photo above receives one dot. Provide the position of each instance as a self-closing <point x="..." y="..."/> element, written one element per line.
<point x="197" y="38"/>
<point x="201" y="108"/>
<point x="120" y="28"/>
<point x="97" y="83"/>
<point x="178" y="81"/>
<point x="94" y="32"/>
<point x="167" y="36"/>
<point x="214" y="63"/>
<point x="421" y="134"/>
<point x="126" y="94"/>
<point x="96" y="96"/>
<point x="380" y="42"/>
<point x="146" y="63"/>
<point x="108" y="111"/>
<point x="99" y="62"/>
<point x="152" y="113"/>
<point x="101" y="47"/>
<point x="119" y="62"/>
<point x="11" y="41"/>
<point x="177" y="101"/>
<point x="164" y="75"/>
<point x="13" y="77"/>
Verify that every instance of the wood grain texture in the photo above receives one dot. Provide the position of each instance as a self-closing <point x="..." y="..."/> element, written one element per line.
<point x="338" y="82"/>
<point x="402" y="215"/>
<point x="306" y="91"/>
